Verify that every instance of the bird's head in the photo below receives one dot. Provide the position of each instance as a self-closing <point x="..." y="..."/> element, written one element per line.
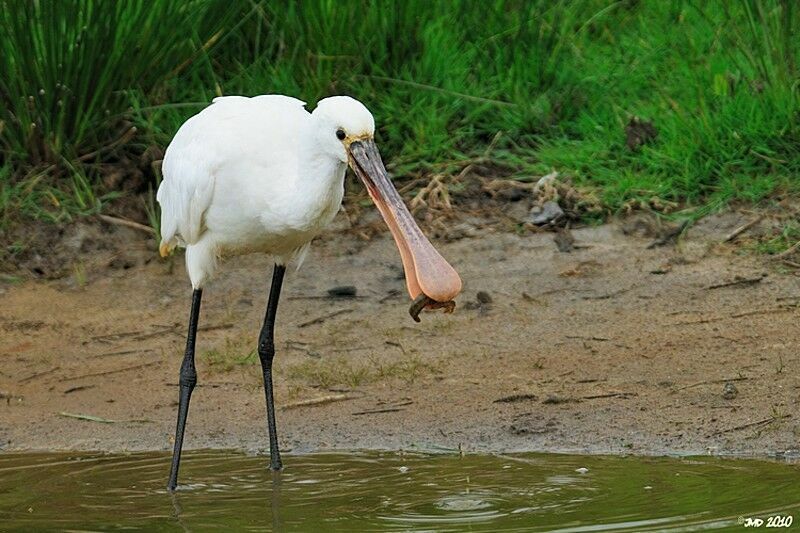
<point x="346" y="128"/>
<point x="340" y="121"/>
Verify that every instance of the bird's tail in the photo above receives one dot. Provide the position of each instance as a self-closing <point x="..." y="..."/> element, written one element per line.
<point x="166" y="247"/>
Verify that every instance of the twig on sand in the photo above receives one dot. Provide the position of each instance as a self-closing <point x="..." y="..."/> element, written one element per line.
<point x="39" y="374"/>
<point x="786" y="309"/>
<point x="323" y="318"/>
<point x="119" y="221"/>
<point x="215" y="327"/>
<point x="765" y="422"/>
<point x="107" y="372"/>
<point x="738" y="281"/>
<point x="741" y="229"/>
<point x="609" y="395"/>
<point x="607" y="295"/>
<point x="322" y="400"/>
<point x="789" y="251"/>
<point x="376" y="411"/>
<point x="162" y="328"/>
<point x="774" y="310"/>
<point x="92" y="418"/>
<point x="158" y="329"/>
<point x="391" y="294"/>
<point x="711" y="381"/>
<point x="121" y="352"/>
<point x="393" y="409"/>
<point x="78" y="388"/>
<point x="514" y="398"/>
<point x="88" y="418"/>
<point x="396" y="345"/>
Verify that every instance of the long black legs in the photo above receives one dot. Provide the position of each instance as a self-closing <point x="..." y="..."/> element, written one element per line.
<point x="187" y="381"/>
<point x="266" y="352"/>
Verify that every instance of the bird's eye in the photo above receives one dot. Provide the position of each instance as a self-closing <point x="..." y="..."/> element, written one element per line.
<point x="340" y="134"/>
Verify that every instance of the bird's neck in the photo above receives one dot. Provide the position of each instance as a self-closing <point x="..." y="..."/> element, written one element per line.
<point x="319" y="184"/>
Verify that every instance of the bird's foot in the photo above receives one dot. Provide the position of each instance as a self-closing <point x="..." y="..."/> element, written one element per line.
<point x="425" y="302"/>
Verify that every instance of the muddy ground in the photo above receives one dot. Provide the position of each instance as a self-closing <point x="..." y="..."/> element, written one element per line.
<point x="613" y="347"/>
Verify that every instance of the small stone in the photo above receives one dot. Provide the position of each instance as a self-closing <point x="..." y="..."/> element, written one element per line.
<point x="344" y="291"/>
<point x="545" y="214"/>
<point x="403" y="469"/>
<point x="582" y="470"/>
<point x="729" y="391"/>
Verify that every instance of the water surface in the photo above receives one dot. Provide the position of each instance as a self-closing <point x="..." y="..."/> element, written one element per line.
<point x="392" y="492"/>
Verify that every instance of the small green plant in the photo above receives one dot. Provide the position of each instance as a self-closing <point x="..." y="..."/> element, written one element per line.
<point x="235" y="353"/>
<point x="407" y="369"/>
<point x="79" y="274"/>
<point x="326" y="373"/>
<point x="788" y="236"/>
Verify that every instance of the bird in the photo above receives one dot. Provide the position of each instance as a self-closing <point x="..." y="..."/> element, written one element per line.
<point x="262" y="174"/>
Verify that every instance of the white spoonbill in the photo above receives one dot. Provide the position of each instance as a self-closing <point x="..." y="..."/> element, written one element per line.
<point x="262" y="174"/>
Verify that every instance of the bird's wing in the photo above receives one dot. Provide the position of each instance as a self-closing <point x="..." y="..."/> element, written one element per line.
<point x="185" y="192"/>
<point x="205" y="143"/>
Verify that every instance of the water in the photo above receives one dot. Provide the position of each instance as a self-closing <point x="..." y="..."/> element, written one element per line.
<point x="392" y="492"/>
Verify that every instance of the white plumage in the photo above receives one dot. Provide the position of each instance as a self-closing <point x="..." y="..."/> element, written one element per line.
<point x="257" y="174"/>
<point x="263" y="174"/>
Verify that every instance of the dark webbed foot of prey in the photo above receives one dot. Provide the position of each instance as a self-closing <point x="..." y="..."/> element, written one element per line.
<point x="425" y="302"/>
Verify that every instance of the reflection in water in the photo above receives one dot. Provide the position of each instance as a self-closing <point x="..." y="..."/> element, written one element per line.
<point x="390" y="492"/>
<point x="275" y="500"/>
<point x="176" y="505"/>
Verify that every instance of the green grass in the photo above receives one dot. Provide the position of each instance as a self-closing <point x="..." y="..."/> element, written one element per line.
<point x="234" y="354"/>
<point x="788" y="236"/>
<point x="552" y="82"/>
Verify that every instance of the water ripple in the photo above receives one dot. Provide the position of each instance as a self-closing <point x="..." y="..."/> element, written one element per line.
<point x="381" y="491"/>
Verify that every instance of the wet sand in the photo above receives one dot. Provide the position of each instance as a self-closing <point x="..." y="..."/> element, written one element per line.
<point x="613" y="347"/>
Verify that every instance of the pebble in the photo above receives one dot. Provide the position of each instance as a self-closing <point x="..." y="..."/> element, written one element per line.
<point x="344" y="291"/>
<point x="545" y="214"/>
<point x="582" y="470"/>
<point x="729" y="391"/>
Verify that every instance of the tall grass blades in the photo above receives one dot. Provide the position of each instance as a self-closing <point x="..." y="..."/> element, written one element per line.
<point x="530" y="85"/>
<point x="67" y="69"/>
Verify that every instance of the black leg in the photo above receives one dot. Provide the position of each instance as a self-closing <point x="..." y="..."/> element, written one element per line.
<point x="187" y="381"/>
<point x="266" y="352"/>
